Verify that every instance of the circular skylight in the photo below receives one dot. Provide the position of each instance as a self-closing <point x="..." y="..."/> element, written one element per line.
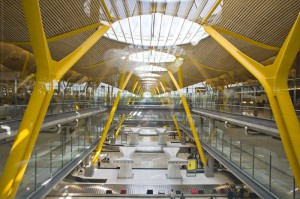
<point x="151" y="56"/>
<point x="156" y="30"/>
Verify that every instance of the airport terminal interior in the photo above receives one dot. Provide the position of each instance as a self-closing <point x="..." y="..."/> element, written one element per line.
<point x="150" y="99"/>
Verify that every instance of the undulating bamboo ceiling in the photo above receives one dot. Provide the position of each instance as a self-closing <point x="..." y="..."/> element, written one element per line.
<point x="148" y="34"/>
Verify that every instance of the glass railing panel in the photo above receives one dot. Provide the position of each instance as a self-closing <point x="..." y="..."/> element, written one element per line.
<point x="219" y="142"/>
<point x="236" y="152"/>
<point x="262" y="167"/>
<point x="54" y="151"/>
<point x="56" y="161"/>
<point x="42" y="165"/>
<point x="28" y="184"/>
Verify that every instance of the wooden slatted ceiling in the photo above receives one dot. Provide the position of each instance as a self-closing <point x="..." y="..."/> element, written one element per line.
<point x="265" y="21"/>
<point x="12" y="21"/>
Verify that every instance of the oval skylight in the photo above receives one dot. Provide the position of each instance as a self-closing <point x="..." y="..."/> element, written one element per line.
<point x="151" y="56"/>
<point x="149" y="79"/>
<point x="150" y="68"/>
<point x="148" y="75"/>
<point x="156" y="30"/>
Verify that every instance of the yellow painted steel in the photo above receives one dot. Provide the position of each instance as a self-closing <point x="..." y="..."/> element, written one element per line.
<point x="211" y="11"/>
<point x="64" y="35"/>
<point x="99" y="63"/>
<point x="132" y="91"/>
<point x="137" y="93"/>
<point x="190" y="119"/>
<point x="246" y="39"/>
<point x="161" y="99"/>
<point x="274" y="79"/>
<point x="25" y="65"/>
<point x="48" y="73"/>
<point x="176" y="125"/>
<point x="180" y="79"/>
<point x="110" y="118"/>
<point x="164" y="90"/>
<point x="200" y="66"/>
<point x="74" y="32"/>
<point x="106" y="11"/>
<point x="120" y="125"/>
<point x="27" y="79"/>
<point x="162" y="87"/>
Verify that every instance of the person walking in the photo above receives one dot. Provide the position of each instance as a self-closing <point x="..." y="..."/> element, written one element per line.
<point x="172" y="194"/>
<point x="99" y="164"/>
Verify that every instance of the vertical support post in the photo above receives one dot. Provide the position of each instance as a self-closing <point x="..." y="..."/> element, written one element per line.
<point x="241" y="152"/>
<point x="35" y="170"/>
<point x="71" y="147"/>
<point x="51" y="159"/>
<point x="190" y="119"/>
<point x="209" y="169"/>
<point x="253" y="161"/>
<point x="270" y="172"/>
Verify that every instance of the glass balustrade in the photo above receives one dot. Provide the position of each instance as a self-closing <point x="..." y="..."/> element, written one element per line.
<point x="53" y="151"/>
<point x="260" y="156"/>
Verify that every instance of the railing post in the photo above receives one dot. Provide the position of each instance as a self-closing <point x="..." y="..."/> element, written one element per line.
<point x="253" y="161"/>
<point x="35" y="170"/>
<point x="50" y="159"/>
<point x="270" y="172"/>
<point x="241" y="152"/>
<point x="72" y="147"/>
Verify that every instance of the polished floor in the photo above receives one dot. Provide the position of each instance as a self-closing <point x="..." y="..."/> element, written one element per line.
<point x="149" y="172"/>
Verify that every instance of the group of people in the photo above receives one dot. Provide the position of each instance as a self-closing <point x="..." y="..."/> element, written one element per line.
<point x="172" y="195"/>
<point x="234" y="193"/>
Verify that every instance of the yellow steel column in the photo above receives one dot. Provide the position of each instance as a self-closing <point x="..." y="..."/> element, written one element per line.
<point x="120" y="125"/>
<point x="110" y="118"/>
<point x="211" y="11"/>
<point x="179" y="73"/>
<point x="164" y="89"/>
<point x="138" y="91"/>
<point x="176" y="125"/>
<point x="25" y="65"/>
<point x="190" y="119"/>
<point x="48" y="73"/>
<point x="161" y="99"/>
<point x="274" y="79"/>
<point x="132" y="91"/>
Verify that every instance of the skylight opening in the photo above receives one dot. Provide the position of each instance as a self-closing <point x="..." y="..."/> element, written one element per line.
<point x="148" y="79"/>
<point x="151" y="56"/>
<point x="157" y="30"/>
<point x="150" y="68"/>
<point x="145" y="75"/>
